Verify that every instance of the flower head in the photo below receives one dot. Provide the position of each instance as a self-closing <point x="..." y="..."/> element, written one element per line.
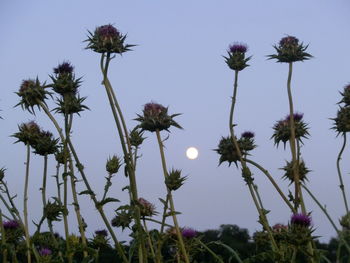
<point x="64" y="68"/>
<point x="301" y="220"/>
<point x="289" y="174"/>
<point x="28" y="133"/>
<point x="346" y="95"/>
<point x="12" y="224"/>
<point x="64" y="81"/>
<point x="296" y="116"/>
<point x="248" y="135"/>
<point x="174" y="180"/>
<point x="236" y="59"/>
<point x="290" y="50"/>
<point x="102" y="232"/>
<point x="45" y="252"/>
<point x="113" y="164"/>
<point x="45" y="143"/>
<point x="146" y="208"/>
<point x="107" y="39"/>
<point x="32" y="93"/>
<point x="342" y="121"/>
<point x="188" y="233"/>
<point x="155" y="117"/>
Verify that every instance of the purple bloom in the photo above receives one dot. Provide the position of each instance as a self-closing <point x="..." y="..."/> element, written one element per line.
<point x="248" y="134"/>
<point x="189" y="232"/>
<point x="288" y="41"/>
<point x="297" y="116"/>
<point x="238" y="48"/>
<point x="45" y="252"/>
<point x="107" y="31"/>
<point x="64" y="68"/>
<point x="12" y="224"/>
<point x="102" y="232"/>
<point x="153" y="109"/>
<point x="300" y="220"/>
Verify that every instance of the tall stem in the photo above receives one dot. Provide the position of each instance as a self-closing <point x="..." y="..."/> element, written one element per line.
<point x="341" y="186"/>
<point x="245" y="168"/>
<point x="25" y="206"/>
<point x="171" y="201"/>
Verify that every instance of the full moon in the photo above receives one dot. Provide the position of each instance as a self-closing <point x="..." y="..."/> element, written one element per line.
<point x="192" y="153"/>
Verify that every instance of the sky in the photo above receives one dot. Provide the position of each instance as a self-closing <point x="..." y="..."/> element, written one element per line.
<point x="178" y="62"/>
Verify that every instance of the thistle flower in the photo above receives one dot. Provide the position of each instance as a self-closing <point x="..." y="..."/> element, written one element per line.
<point x="188" y="233"/>
<point x="28" y="133"/>
<point x="282" y="130"/>
<point x="155" y="117"/>
<point x="236" y="59"/>
<point x="45" y="143"/>
<point x="146" y="208"/>
<point x="12" y="224"/>
<point x="342" y="121"/>
<point x="228" y="152"/>
<point x="346" y="95"/>
<point x="107" y="39"/>
<point x="289" y="174"/>
<point x="248" y="135"/>
<point x="64" y="81"/>
<point x="301" y="220"/>
<point x="113" y="164"/>
<point x="122" y="219"/>
<point x="102" y="232"/>
<point x="174" y="180"/>
<point x="32" y="93"/>
<point x="290" y="50"/>
<point x="45" y="252"/>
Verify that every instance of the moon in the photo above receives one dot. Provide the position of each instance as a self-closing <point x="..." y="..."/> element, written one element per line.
<point x="192" y="153"/>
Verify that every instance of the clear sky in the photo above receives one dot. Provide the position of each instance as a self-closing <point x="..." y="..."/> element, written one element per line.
<point x="178" y="62"/>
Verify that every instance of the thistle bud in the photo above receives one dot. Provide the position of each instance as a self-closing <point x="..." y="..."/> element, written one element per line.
<point x="342" y="121"/>
<point x="64" y="81"/>
<point x="53" y="211"/>
<point x="174" y="180"/>
<point x="107" y="39"/>
<point x="136" y="138"/>
<point x="45" y="144"/>
<point x="345" y="221"/>
<point x="123" y="219"/>
<point x="289" y="174"/>
<point x="282" y="129"/>
<point x="346" y="95"/>
<point x="146" y="208"/>
<point x="70" y="103"/>
<point x="32" y="93"/>
<point x="236" y="59"/>
<point x="290" y="50"/>
<point x="113" y="164"/>
<point x="60" y="156"/>
<point x="2" y="174"/>
<point x="28" y="133"/>
<point x="155" y="117"/>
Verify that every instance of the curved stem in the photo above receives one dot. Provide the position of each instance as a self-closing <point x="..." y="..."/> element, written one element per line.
<point x="341" y="186"/>
<point x="264" y="171"/>
<point x="25" y="206"/>
<point x="213" y="253"/>
<point x="171" y="201"/>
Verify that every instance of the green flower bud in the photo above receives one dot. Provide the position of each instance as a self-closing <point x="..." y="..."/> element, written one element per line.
<point x="136" y="138"/>
<point x="113" y="164"/>
<point x="53" y="211"/>
<point x="174" y="180"/>
<point x="289" y="174"/>
<point x="342" y="121"/>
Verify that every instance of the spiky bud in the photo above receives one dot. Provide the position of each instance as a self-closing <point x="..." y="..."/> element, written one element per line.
<point x="60" y="155"/>
<point x="174" y="180"/>
<point x="342" y="121"/>
<point x="64" y="81"/>
<point x="289" y="174"/>
<point x="53" y="211"/>
<point x="32" y="93"/>
<point x="28" y="133"/>
<point x="70" y="103"/>
<point x="2" y="174"/>
<point x="107" y="39"/>
<point x="122" y="219"/>
<point x="113" y="164"/>
<point x="155" y="117"/>
<point x="146" y="208"/>
<point x="345" y="221"/>
<point x="282" y="129"/>
<point x="102" y="232"/>
<point x="136" y="137"/>
<point x="290" y="50"/>
<point x="236" y="59"/>
<point x="346" y="95"/>
<point x="45" y="144"/>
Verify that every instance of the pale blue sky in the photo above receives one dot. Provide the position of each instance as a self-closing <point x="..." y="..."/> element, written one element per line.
<point x="178" y="62"/>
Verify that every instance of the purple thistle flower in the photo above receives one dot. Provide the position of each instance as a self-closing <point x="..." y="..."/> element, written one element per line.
<point x="64" y="68"/>
<point x="238" y="48"/>
<point x="188" y="233"/>
<point x="288" y="41"/>
<point x="45" y="252"/>
<point x="297" y="116"/>
<point x="102" y="232"/>
<point x="248" y="135"/>
<point x="153" y="109"/>
<point x="12" y="224"/>
<point x="26" y="85"/>
<point x="107" y="31"/>
<point x="300" y="220"/>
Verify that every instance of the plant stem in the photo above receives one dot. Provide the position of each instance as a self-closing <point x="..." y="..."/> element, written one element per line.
<point x="213" y="253"/>
<point x="150" y="243"/>
<point x="297" y="196"/>
<point x="264" y="171"/>
<point x="25" y="206"/>
<point x="341" y="186"/>
<point x="171" y="201"/>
